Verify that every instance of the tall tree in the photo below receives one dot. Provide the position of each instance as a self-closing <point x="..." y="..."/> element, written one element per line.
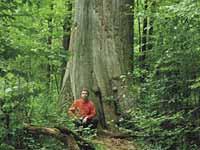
<point x="49" y="43"/>
<point x="66" y="35"/>
<point x="151" y="22"/>
<point x="139" y="27"/>
<point x="101" y="45"/>
<point x="144" y="36"/>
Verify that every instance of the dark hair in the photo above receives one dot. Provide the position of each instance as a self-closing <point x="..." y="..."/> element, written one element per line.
<point x="85" y="89"/>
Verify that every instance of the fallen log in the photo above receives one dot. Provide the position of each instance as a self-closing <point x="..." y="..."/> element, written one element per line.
<point x="70" y="139"/>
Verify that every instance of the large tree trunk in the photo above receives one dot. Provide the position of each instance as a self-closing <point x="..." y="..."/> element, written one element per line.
<point x="101" y="45"/>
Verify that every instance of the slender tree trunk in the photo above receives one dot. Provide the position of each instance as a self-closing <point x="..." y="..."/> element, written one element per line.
<point x="66" y="37"/>
<point x="130" y="19"/>
<point x="100" y="45"/>
<point x="142" y="58"/>
<point x="150" y="33"/>
<point x="144" y="36"/>
<point x="49" y="45"/>
<point x="151" y="21"/>
<point x="133" y="32"/>
<point x="7" y="123"/>
<point x="139" y="29"/>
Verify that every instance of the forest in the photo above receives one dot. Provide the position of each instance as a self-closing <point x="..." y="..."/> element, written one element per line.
<point x="137" y="60"/>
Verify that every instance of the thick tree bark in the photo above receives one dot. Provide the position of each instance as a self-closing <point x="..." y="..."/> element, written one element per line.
<point x="101" y="45"/>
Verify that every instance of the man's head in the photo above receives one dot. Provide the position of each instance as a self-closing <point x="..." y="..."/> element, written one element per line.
<point x="84" y="94"/>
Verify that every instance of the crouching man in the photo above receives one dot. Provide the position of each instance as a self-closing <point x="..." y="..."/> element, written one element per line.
<point x="84" y="111"/>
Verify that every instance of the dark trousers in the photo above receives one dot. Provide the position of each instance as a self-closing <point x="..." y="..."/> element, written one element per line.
<point x="92" y="123"/>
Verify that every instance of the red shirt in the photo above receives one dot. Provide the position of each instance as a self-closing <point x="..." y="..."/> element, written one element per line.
<point x="83" y="108"/>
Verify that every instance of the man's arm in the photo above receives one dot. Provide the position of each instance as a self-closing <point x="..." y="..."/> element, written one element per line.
<point x="92" y="112"/>
<point x="72" y="109"/>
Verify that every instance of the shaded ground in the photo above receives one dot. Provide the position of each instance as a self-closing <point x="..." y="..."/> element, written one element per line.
<point x="109" y="143"/>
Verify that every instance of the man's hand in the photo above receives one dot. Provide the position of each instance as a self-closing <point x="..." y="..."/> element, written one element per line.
<point x="85" y="119"/>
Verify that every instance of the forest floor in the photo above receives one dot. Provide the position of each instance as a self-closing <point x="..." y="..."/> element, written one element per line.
<point x="109" y="143"/>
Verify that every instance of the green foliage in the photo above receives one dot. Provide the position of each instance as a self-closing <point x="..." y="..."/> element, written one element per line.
<point x="166" y="115"/>
<point x="30" y="69"/>
<point x="100" y="147"/>
<point x="6" y="147"/>
<point x="162" y="131"/>
<point x="163" y="104"/>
